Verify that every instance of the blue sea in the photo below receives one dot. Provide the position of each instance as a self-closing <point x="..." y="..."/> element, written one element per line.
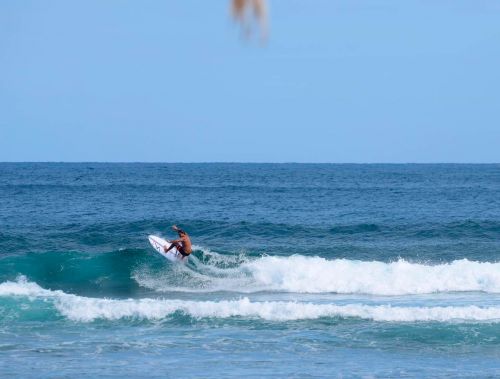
<point x="298" y="270"/>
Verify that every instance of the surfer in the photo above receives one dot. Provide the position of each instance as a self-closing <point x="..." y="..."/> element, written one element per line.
<point x="183" y="243"/>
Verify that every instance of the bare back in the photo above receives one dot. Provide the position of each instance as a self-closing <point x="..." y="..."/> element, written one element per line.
<point x="186" y="243"/>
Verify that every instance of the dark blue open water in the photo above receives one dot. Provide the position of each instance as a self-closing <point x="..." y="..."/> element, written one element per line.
<point x="298" y="271"/>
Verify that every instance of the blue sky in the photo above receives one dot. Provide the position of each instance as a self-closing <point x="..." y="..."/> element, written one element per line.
<point x="173" y="81"/>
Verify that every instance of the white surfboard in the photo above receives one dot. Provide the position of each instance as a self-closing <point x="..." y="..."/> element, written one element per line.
<point x="159" y="245"/>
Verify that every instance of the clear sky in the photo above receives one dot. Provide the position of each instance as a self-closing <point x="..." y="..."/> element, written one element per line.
<point x="174" y="81"/>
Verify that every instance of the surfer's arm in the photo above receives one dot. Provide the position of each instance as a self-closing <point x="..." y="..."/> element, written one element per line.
<point x="177" y="229"/>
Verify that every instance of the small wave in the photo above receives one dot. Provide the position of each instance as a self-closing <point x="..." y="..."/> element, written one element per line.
<point x="316" y="275"/>
<point x="121" y="273"/>
<point x="301" y="274"/>
<point x="86" y="309"/>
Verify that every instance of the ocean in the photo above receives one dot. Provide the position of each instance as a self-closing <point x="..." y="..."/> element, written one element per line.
<point x="298" y="270"/>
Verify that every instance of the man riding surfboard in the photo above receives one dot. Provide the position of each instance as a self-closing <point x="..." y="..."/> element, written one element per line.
<point x="183" y="243"/>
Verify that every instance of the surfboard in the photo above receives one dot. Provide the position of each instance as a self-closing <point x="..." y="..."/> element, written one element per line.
<point x="159" y="244"/>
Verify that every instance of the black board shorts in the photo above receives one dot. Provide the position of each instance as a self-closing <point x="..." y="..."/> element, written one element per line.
<point x="181" y="250"/>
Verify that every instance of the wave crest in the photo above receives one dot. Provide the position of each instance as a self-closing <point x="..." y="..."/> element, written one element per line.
<point x="86" y="309"/>
<point x="301" y="274"/>
<point x="316" y="275"/>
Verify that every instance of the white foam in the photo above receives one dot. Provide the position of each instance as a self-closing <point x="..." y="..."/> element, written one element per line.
<point x="85" y="309"/>
<point x="21" y="287"/>
<point x="212" y="272"/>
<point x="302" y="274"/>
<point x="316" y="275"/>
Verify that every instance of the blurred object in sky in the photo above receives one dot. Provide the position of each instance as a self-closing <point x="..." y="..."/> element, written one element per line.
<point x="251" y="14"/>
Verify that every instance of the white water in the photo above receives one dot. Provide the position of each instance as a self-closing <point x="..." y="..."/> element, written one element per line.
<point x="85" y="309"/>
<point x="300" y="274"/>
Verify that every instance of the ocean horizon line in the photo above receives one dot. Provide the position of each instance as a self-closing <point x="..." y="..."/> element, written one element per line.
<point x="252" y="163"/>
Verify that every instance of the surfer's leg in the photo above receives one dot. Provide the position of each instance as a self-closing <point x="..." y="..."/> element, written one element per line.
<point x="170" y="248"/>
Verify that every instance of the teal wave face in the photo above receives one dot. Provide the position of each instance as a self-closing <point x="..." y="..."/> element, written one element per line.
<point x="106" y="274"/>
<point x="141" y="273"/>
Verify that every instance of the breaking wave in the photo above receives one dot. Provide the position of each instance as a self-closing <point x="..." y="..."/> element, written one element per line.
<point x="301" y="274"/>
<point x="87" y="309"/>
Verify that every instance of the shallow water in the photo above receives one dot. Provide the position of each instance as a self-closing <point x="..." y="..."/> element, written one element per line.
<point x="298" y="270"/>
